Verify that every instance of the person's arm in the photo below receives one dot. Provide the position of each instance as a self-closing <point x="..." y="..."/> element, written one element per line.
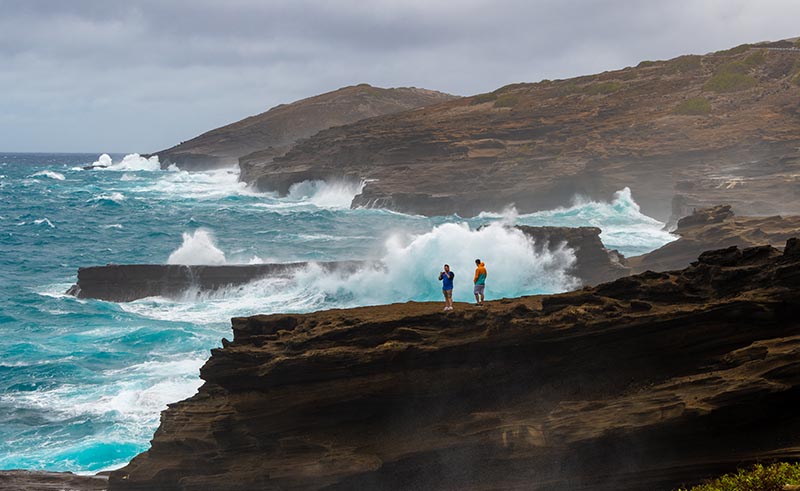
<point x="441" y="275"/>
<point x="452" y="275"/>
<point x="475" y="279"/>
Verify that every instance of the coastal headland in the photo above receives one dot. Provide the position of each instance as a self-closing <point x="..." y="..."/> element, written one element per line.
<point x="646" y="382"/>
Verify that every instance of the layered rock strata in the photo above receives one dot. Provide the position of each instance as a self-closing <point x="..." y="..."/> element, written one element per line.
<point x="20" y="480"/>
<point x="273" y="132"/>
<point x="717" y="128"/>
<point x="714" y="228"/>
<point x="646" y="382"/>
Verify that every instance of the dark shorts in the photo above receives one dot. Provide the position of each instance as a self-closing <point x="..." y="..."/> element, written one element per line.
<point x="479" y="289"/>
<point x="448" y="293"/>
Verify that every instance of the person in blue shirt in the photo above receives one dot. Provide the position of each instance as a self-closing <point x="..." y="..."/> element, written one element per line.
<point x="446" y="277"/>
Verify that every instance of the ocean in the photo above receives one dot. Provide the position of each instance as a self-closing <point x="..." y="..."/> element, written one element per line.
<point x="82" y="382"/>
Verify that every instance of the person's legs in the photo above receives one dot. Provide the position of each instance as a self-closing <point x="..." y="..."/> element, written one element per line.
<point x="479" y="294"/>
<point x="446" y="301"/>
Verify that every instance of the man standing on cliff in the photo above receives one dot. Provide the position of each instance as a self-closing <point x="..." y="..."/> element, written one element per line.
<point x="446" y="277"/>
<point x="480" y="281"/>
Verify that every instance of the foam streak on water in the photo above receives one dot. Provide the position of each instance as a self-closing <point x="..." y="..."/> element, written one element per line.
<point x="82" y="382"/>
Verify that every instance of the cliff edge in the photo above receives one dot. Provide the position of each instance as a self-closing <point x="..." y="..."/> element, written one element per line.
<point x="646" y="382"/>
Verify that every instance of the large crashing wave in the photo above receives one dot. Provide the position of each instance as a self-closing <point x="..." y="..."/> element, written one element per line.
<point x="407" y="270"/>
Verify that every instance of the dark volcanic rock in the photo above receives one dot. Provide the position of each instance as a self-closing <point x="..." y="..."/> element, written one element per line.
<point x="128" y="282"/>
<point x="593" y="262"/>
<point x="19" y="480"/>
<point x="714" y="228"/>
<point x="538" y="145"/>
<point x="643" y="383"/>
<point x="272" y="133"/>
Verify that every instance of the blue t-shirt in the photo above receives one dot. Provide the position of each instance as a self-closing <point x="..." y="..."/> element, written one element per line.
<point x="447" y="280"/>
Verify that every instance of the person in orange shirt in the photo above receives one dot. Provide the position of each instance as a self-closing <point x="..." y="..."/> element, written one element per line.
<point x="480" y="281"/>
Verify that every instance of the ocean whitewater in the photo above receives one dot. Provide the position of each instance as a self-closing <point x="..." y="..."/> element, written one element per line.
<point x="82" y="382"/>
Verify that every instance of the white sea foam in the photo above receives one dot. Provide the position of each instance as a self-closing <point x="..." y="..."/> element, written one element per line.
<point x="324" y="194"/>
<point x="131" y="162"/>
<point x="113" y="225"/>
<point x="212" y="184"/>
<point x="198" y="248"/>
<point x="44" y="221"/>
<point x="50" y="174"/>
<point x="115" y="196"/>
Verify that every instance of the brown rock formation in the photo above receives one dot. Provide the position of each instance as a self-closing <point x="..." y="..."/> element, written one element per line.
<point x="19" y="480"/>
<point x="128" y="282"/>
<point x="593" y="262"/>
<point x="717" y="128"/>
<point x="642" y="383"/>
<point x="715" y="228"/>
<point x="273" y="132"/>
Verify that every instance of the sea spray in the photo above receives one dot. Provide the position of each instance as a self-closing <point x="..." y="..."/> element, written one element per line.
<point x="198" y="248"/>
<point x="326" y="194"/>
<point x="409" y="269"/>
<point x="131" y="162"/>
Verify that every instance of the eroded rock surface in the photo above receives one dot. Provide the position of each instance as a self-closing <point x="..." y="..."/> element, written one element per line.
<point x="273" y="132"/>
<point x="20" y="480"/>
<point x="714" y="228"/>
<point x="684" y="126"/>
<point x="642" y="383"/>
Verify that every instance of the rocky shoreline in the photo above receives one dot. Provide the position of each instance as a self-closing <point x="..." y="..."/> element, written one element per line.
<point x="646" y="382"/>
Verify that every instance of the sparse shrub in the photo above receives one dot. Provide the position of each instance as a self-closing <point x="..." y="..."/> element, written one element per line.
<point x="696" y="106"/>
<point x="602" y="88"/>
<point x="506" y="100"/>
<point x="797" y="44"/>
<point x="685" y="64"/>
<point x="759" y="478"/>
<point x="797" y="79"/>
<point x="481" y="98"/>
<point x="646" y="63"/>
<point x="730" y="81"/>
<point x="755" y="59"/>
<point x="629" y="75"/>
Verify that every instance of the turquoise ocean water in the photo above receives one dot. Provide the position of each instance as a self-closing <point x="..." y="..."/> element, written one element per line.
<point x="82" y="382"/>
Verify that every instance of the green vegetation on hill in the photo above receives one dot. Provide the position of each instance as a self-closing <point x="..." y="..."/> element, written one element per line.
<point x="602" y="88"/>
<point x="481" y="98"/>
<point x="695" y="106"/>
<point x="506" y="100"/>
<point x="685" y="64"/>
<point x="733" y="75"/>
<point x="730" y="82"/>
<point x="759" y="478"/>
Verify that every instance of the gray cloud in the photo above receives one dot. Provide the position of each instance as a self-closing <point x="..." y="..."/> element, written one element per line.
<point x="142" y="75"/>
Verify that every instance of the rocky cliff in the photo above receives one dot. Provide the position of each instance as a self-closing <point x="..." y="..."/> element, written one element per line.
<point x="714" y="228"/>
<point x="642" y="383"/>
<point x="717" y="128"/>
<point x="273" y="132"/>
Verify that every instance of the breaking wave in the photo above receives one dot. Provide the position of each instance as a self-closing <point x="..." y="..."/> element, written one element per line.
<point x="198" y="248"/>
<point x="131" y="162"/>
<point x="324" y="194"/>
<point x="51" y="174"/>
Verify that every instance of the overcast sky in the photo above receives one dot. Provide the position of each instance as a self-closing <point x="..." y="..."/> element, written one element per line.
<point x="142" y="75"/>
